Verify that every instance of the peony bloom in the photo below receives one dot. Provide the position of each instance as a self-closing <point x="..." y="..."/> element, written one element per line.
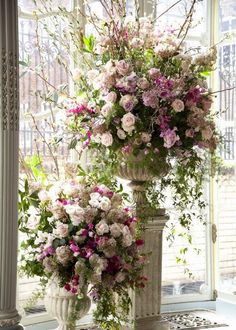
<point x="116" y="229"/>
<point x="128" y="102"/>
<point x="105" y="204"/>
<point x="177" y="105"/>
<point x="102" y="228"/>
<point x="61" y="230"/>
<point x="107" y="139"/>
<point x="170" y="137"/>
<point x="63" y="254"/>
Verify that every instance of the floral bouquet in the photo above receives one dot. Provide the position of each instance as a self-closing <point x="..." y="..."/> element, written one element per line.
<point x="146" y="95"/>
<point x="83" y="235"/>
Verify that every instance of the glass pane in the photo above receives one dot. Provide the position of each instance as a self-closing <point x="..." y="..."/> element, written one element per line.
<point x="37" y="64"/>
<point x="226" y="188"/>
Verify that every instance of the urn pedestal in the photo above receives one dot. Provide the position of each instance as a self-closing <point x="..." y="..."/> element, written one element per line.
<point x="146" y="303"/>
<point x="62" y="306"/>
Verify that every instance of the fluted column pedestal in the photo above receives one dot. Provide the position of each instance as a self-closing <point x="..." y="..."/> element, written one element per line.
<point x="147" y="302"/>
<point x="9" y="137"/>
<point x="146" y="309"/>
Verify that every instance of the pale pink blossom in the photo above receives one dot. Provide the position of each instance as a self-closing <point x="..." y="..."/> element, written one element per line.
<point x="128" y="121"/>
<point x="170" y="137"/>
<point x="123" y="67"/>
<point x="106" y="109"/>
<point x="107" y="139"/>
<point x="111" y="97"/>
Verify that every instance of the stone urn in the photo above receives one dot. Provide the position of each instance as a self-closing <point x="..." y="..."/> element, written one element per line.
<point x="139" y="174"/>
<point x="64" y="306"/>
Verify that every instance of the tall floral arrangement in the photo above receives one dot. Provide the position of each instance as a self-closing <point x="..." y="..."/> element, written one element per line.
<point x="143" y="98"/>
<point x="82" y="235"/>
<point x="146" y="95"/>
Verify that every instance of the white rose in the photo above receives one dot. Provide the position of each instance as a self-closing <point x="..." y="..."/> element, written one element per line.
<point x="102" y="227"/>
<point x="43" y="196"/>
<point x="116" y="230"/>
<point x="33" y="222"/>
<point x="63" y="254"/>
<point x="105" y="204"/>
<point x="127" y="237"/>
<point x="145" y="137"/>
<point x="61" y="229"/>
<point x="121" y="134"/>
<point x="178" y="105"/>
<point x="128" y="129"/>
<point x="107" y="139"/>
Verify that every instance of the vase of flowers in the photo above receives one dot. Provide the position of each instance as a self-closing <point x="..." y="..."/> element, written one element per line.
<point x="145" y="103"/>
<point x="79" y="234"/>
<point x="65" y="306"/>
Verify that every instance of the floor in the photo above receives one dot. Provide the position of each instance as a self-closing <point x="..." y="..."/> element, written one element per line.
<point x="225" y="314"/>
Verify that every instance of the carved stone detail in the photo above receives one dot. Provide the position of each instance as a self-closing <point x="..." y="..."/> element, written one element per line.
<point x="9" y="148"/>
<point x="10" y="322"/>
<point x="9" y="91"/>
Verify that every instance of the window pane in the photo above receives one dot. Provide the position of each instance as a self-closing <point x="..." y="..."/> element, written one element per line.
<point x="226" y="188"/>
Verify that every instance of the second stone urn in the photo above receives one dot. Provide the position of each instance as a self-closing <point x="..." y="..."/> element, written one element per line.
<point x="146" y="304"/>
<point x="64" y="306"/>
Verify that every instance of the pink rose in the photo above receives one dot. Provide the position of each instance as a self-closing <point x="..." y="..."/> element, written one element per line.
<point x="143" y="83"/>
<point x="178" y="105"/>
<point x="170" y="137"/>
<point x="207" y="133"/>
<point x="206" y="103"/>
<point x="106" y="109"/>
<point x="190" y="133"/>
<point x="128" y="102"/>
<point x="154" y="73"/>
<point x="107" y="139"/>
<point x="128" y="121"/>
<point x="111" y="97"/>
<point x="123" y="67"/>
